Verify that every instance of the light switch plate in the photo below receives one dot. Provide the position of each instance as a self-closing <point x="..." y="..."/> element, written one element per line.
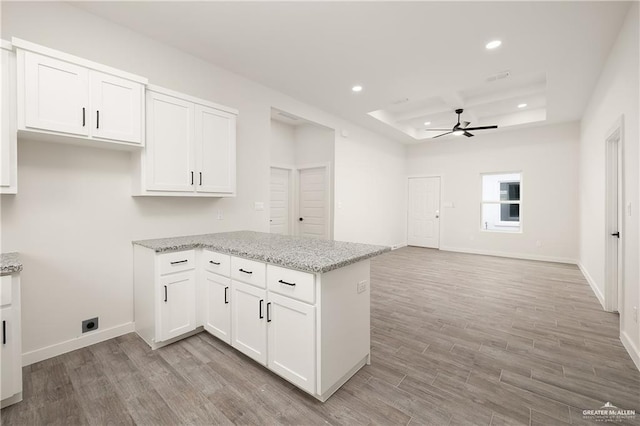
<point x="362" y="286"/>
<point x="258" y="206"/>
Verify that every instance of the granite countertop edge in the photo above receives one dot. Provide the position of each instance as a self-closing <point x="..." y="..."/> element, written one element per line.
<point x="10" y="263"/>
<point x="267" y="257"/>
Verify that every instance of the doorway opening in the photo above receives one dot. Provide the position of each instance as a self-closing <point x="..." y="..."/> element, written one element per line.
<point x="613" y="218"/>
<point x="302" y="177"/>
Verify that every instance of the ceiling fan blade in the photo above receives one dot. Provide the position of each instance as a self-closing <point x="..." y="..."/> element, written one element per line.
<point x="481" y="128"/>
<point x="464" y="124"/>
<point x="437" y="130"/>
<point x="467" y="134"/>
<point x="441" y="135"/>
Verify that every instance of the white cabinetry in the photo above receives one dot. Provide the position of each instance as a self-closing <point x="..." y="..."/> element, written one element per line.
<point x="11" y="343"/>
<point x="165" y="294"/>
<point x="70" y="99"/>
<point x="217" y="294"/>
<point x="8" y="133"/>
<point x="191" y="147"/>
<point x="248" y="321"/>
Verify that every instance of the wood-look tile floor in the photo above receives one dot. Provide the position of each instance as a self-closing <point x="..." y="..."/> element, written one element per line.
<point x="456" y="339"/>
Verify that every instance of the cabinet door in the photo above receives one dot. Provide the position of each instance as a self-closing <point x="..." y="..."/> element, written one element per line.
<point x="11" y="366"/>
<point x="169" y="150"/>
<point x="292" y="340"/>
<point x="116" y="108"/>
<point x="177" y="305"/>
<point x="56" y="95"/>
<point x="249" y="324"/>
<point x="8" y="135"/>
<point x="215" y="150"/>
<point x="218" y="306"/>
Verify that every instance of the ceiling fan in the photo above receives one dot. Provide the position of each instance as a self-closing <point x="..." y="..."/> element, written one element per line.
<point x="461" y="127"/>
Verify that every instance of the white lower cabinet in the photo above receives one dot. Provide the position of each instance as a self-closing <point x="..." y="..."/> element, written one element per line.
<point x="291" y="335"/>
<point x="218" y="306"/>
<point x="10" y="345"/>
<point x="177" y="299"/>
<point x="248" y="320"/>
<point x="310" y="329"/>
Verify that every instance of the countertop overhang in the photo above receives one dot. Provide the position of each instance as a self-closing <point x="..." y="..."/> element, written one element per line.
<point x="301" y="253"/>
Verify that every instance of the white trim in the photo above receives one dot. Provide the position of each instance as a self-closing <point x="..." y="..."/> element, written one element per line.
<point x="4" y="44"/>
<point x="292" y="198"/>
<point x="592" y="284"/>
<point x="523" y="256"/>
<point x="47" y="352"/>
<point x="36" y="48"/>
<point x="398" y="246"/>
<point x="634" y="353"/>
<point x="182" y="96"/>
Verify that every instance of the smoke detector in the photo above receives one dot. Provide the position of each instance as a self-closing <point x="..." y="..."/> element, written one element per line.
<point x="498" y="76"/>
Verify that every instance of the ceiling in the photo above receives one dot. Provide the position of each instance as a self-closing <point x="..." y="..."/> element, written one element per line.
<point x="417" y="61"/>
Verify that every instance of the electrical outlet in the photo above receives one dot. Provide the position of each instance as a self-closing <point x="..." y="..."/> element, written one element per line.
<point x="90" y="325"/>
<point x="258" y="206"/>
<point x="362" y="286"/>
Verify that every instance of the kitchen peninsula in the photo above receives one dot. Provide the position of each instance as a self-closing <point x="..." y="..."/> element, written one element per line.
<point x="299" y="306"/>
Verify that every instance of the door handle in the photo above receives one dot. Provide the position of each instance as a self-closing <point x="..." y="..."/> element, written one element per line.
<point x="200" y="178"/>
<point x="83" y="118"/>
<point x="97" y="119"/>
<point x="165" y="293"/>
<point x="191" y="178"/>
<point x="616" y="234"/>
<point x="437" y="214"/>
<point x="301" y="219"/>
<point x="226" y="295"/>
<point x="260" y="309"/>
<point x="269" y="312"/>
<point x="4" y="332"/>
<point x="246" y="272"/>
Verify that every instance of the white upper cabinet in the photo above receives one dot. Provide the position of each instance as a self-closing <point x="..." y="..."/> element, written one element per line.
<point x="215" y="150"/>
<point x="71" y="99"/>
<point x="56" y="95"/>
<point x="117" y="105"/>
<point x="8" y="135"/>
<point x="169" y="155"/>
<point x="191" y="147"/>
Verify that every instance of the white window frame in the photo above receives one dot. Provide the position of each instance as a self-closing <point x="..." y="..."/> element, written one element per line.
<point x="501" y="223"/>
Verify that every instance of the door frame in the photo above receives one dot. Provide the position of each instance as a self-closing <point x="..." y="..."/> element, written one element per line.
<point x="327" y="197"/>
<point x="614" y="247"/>
<point x="292" y="196"/>
<point x="439" y="203"/>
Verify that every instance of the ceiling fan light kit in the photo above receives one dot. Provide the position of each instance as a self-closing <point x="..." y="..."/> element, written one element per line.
<point x="461" y="128"/>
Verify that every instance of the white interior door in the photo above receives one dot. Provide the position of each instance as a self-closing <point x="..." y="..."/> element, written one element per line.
<point x="313" y="206"/>
<point x="613" y="226"/>
<point x="279" y="201"/>
<point x="424" y="212"/>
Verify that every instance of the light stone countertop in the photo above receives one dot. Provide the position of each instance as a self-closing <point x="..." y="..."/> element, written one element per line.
<point x="305" y="254"/>
<point x="10" y="263"/>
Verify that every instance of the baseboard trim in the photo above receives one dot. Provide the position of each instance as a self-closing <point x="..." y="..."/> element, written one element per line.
<point x="634" y="353"/>
<point x="397" y="246"/>
<point x="523" y="256"/>
<point x="593" y="285"/>
<point x="38" y="355"/>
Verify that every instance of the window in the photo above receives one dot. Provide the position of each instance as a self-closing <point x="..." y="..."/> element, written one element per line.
<point x="501" y="202"/>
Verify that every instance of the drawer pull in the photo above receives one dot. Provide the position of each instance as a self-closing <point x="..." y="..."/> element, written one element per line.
<point x="214" y="263"/>
<point x="179" y="261"/>
<point x="165" y="293"/>
<point x="260" y="309"/>
<point x="246" y="272"/>
<point x="286" y="283"/>
<point x="269" y="312"/>
<point x="226" y="295"/>
<point x="4" y="332"/>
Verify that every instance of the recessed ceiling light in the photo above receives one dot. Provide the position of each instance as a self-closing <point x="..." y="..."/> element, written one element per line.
<point x="357" y="88"/>
<point x="458" y="132"/>
<point x="493" y="44"/>
<point x="522" y="105"/>
<point x="426" y="123"/>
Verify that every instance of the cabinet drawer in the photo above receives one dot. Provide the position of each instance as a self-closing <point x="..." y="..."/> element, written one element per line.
<point x="295" y="284"/>
<point x="5" y="290"/>
<point x="176" y="261"/>
<point x="216" y="262"/>
<point x="248" y="271"/>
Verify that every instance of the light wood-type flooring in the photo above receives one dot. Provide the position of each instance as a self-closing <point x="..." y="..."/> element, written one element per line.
<point x="456" y="339"/>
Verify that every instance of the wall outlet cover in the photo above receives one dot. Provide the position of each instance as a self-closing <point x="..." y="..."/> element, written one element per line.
<point x="90" y="325"/>
<point x="362" y="286"/>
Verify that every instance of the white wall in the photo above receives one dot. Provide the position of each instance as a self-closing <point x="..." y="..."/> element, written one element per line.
<point x="314" y="145"/>
<point x="615" y="95"/>
<point x="73" y="219"/>
<point x="546" y="156"/>
<point x="282" y="144"/>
